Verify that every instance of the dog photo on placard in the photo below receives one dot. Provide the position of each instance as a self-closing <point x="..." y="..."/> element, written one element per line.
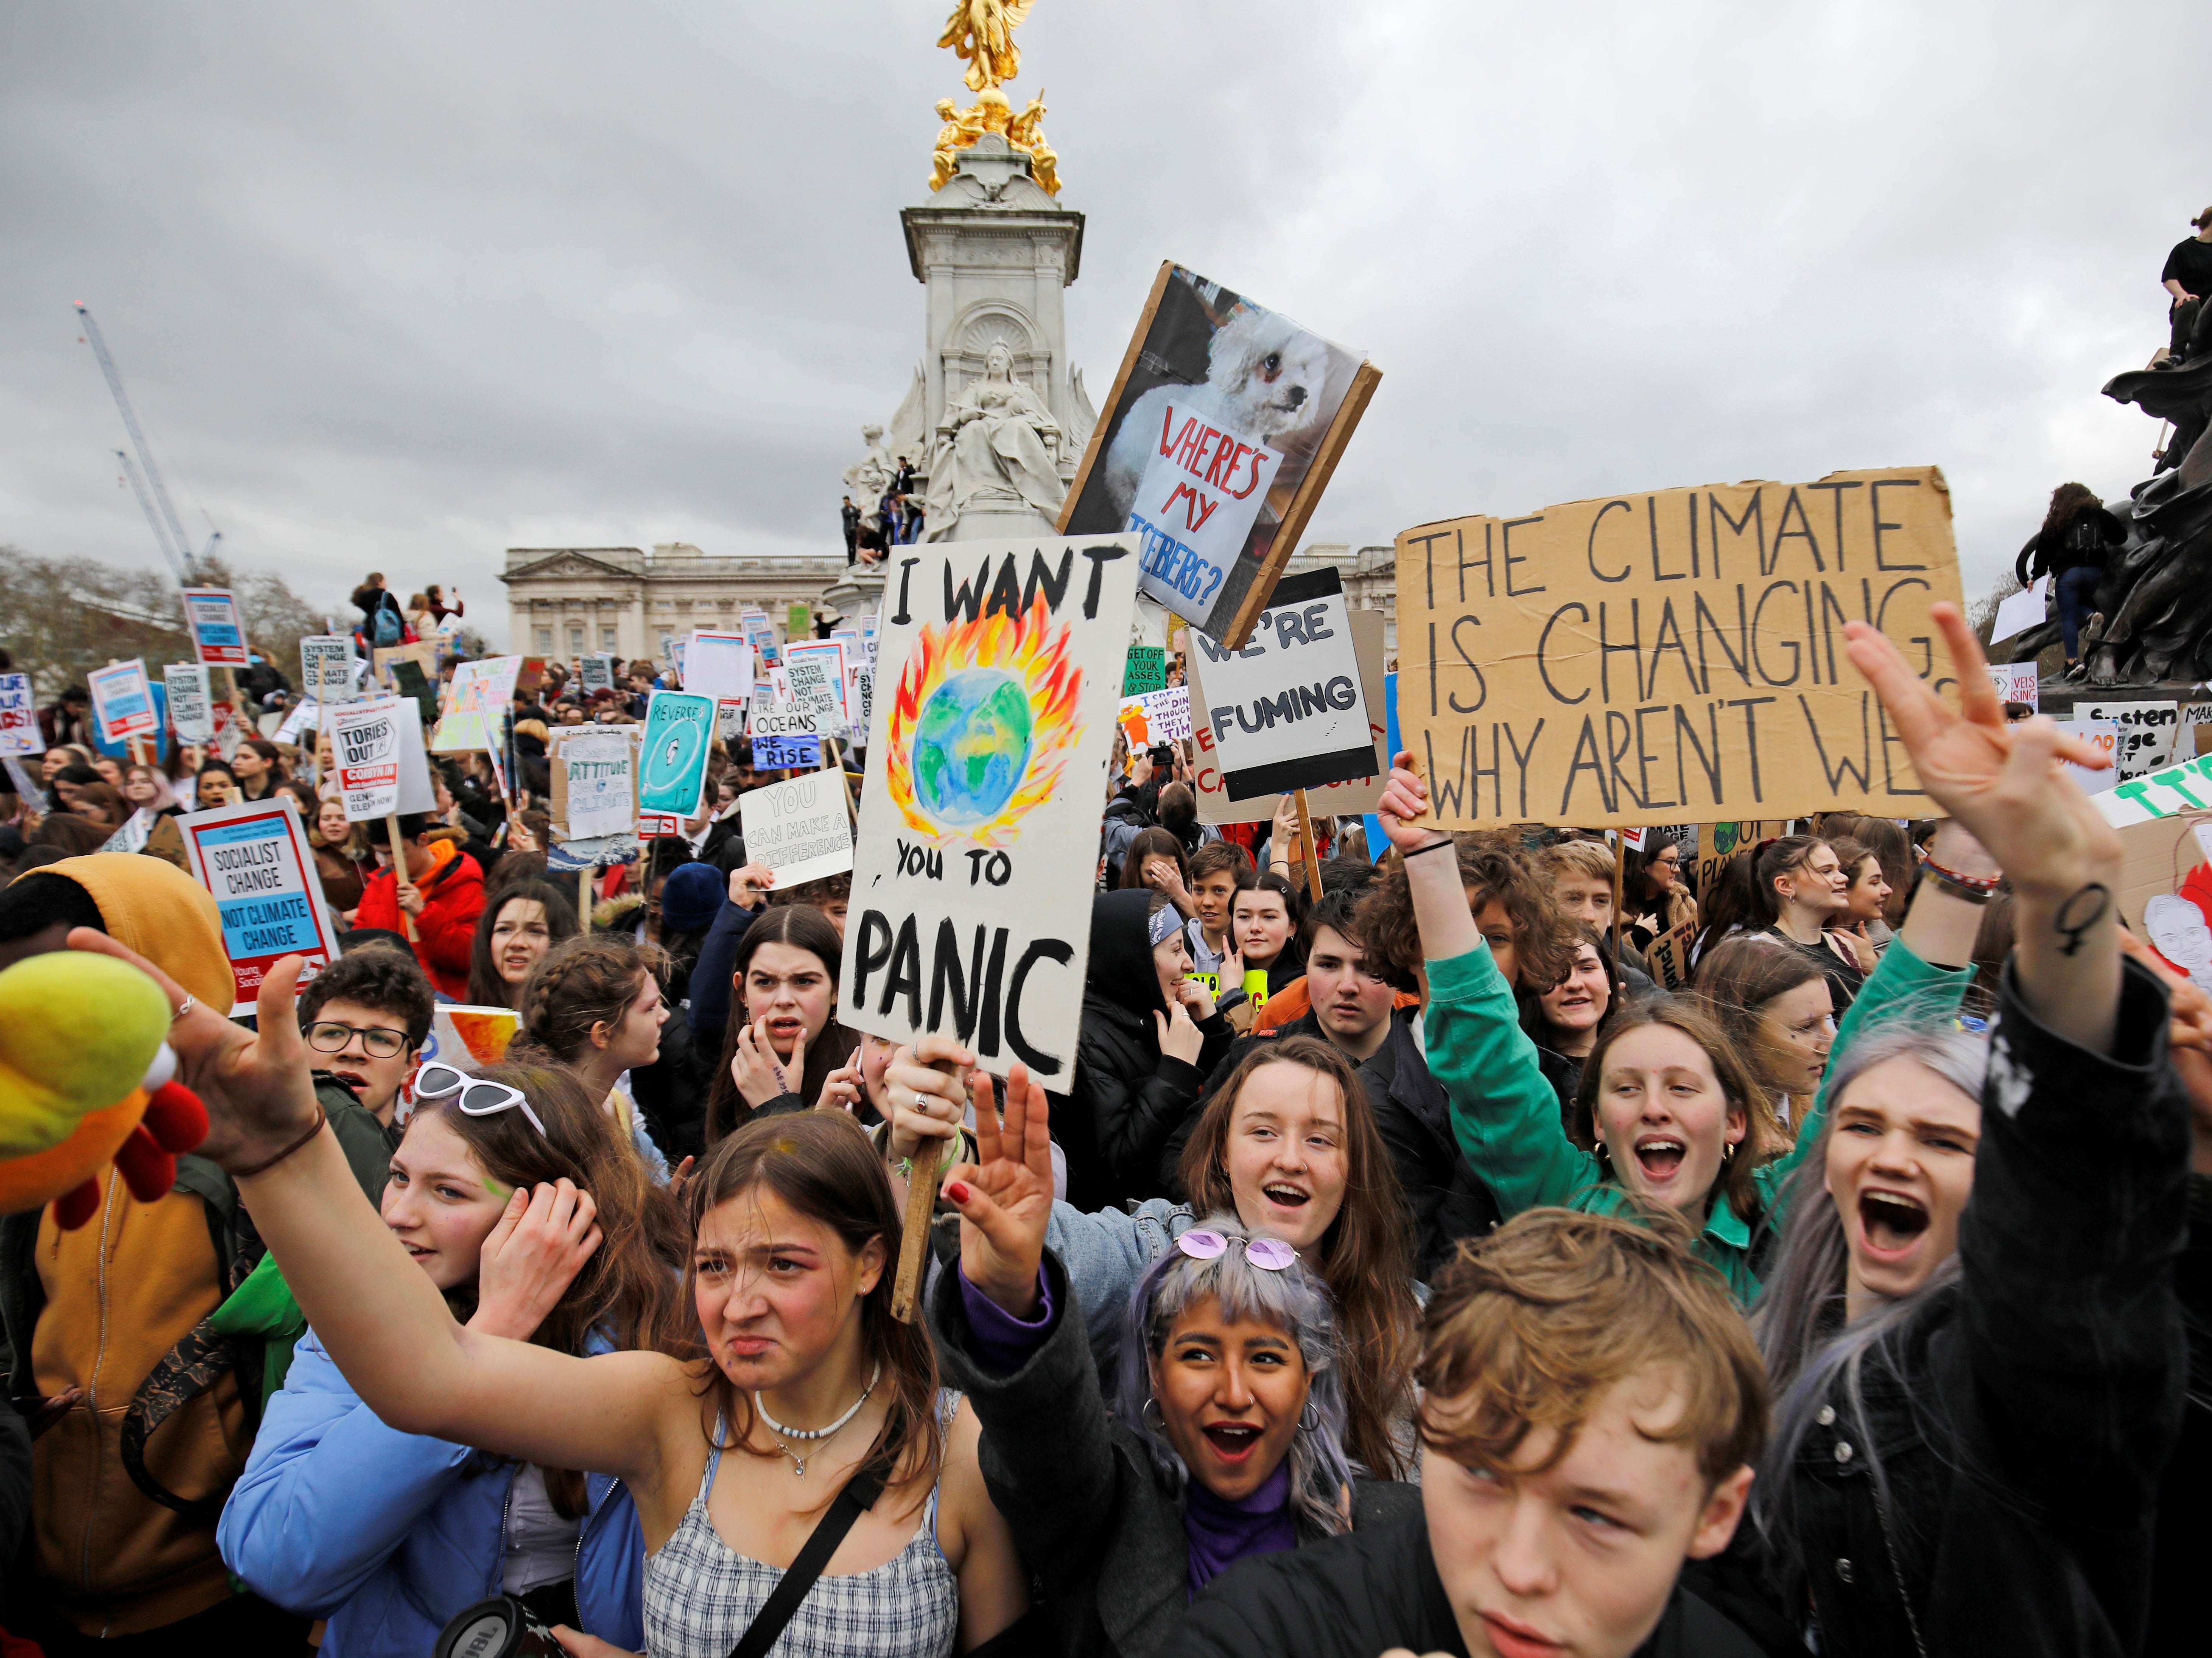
<point x="1222" y="406"/>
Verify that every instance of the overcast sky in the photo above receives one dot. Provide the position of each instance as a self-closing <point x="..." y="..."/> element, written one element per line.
<point x="398" y="286"/>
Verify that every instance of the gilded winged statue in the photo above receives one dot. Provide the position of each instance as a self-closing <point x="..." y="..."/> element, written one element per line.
<point x="983" y="32"/>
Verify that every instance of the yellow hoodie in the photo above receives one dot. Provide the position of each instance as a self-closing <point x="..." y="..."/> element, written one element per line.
<point x="120" y="1292"/>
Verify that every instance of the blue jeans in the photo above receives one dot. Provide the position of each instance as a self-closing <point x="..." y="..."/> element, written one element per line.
<point x="2077" y="594"/>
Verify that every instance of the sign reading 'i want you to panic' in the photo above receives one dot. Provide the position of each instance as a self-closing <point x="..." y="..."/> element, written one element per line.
<point x="1654" y="658"/>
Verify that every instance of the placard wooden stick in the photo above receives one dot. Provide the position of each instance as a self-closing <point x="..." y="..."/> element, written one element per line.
<point x="914" y="1238"/>
<point x="398" y="871"/>
<point x="1312" y="853"/>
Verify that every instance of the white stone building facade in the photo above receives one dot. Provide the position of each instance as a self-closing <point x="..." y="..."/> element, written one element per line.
<point x="565" y="601"/>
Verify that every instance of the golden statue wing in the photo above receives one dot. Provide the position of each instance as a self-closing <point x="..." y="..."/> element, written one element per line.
<point x="981" y="32"/>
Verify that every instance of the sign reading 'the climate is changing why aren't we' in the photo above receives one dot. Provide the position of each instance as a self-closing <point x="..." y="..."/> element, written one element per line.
<point x="1672" y="657"/>
<point x="986" y="764"/>
<point x="254" y="859"/>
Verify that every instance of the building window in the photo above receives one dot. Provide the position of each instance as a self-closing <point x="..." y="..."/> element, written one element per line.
<point x="544" y="640"/>
<point x="607" y="639"/>
<point x="576" y="639"/>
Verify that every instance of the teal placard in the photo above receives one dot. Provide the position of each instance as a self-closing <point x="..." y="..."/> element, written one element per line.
<point x="1146" y="670"/>
<point x="679" y="734"/>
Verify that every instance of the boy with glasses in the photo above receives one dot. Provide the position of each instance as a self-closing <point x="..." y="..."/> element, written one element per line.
<point x="366" y="1017"/>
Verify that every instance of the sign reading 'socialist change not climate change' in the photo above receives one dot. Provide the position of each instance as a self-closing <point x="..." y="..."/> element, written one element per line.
<point x="254" y="859"/>
<point x="1676" y="656"/>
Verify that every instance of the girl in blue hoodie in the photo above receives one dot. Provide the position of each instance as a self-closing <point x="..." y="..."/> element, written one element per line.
<point x="388" y="1535"/>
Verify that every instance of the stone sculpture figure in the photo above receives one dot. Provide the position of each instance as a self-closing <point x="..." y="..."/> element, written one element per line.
<point x="868" y="477"/>
<point x="983" y="33"/>
<point x="2154" y="604"/>
<point x="997" y="445"/>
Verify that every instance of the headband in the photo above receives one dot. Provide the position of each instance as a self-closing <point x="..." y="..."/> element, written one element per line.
<point x="1163" y="925"/>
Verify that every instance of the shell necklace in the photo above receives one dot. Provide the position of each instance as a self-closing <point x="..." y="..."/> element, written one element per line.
<point x="778" y="1432"/>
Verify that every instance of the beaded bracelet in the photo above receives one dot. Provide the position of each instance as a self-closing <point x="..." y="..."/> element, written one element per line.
<point x="1974" y="889"/>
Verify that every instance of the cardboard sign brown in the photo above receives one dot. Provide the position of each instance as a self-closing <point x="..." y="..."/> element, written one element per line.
<point x="1632" y="660"/>
<point x="1668" y="958"/>
<point x="1719" y="845"/>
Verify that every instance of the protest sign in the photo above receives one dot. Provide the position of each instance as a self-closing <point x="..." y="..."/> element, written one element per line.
<point x="798" y="828"/>
<point x="798" y="622"/>
<point x="366" y="745"/>
<point x="1668" y="956"/>
<point x="218" y="635"/>
<point x="409" y="680"/>
<point x="2104" y="735"/>
<point x="253" y="856"/>
<point x="2149" y="732"/>
<point x="468" y="1037"/>
<point x="679" y="735"/>
<point x="594" y="674"/>
<point x="861" y="695"/>
<point x="719" y="666"/>
<point x="1285" y="711"/>
<point x="2022" y="610"/>
<point x="1161" y="716"/>
<point x="1147" y="670"/>
<point x="786" y="753"/>
<point x="830" y="654"/>
<point x="2017" y="681"/>
<point x="133" y="835"/>
<point x="20" y="781"/>
<point x="1352" y="798"/>
<point x="19" y="717"/>
<point x="326" y="668"/>
<point x="123" y="701"/>
<point x="781" y="719"/>
<point x="477" y="709"/>
<point x="299" y="719"/>
<point x="594" y="782"/>
<point x="192" y="715"/>
<point x="1214" y="446"/>
<point x="1681" y="655"/>
<point x="383" y="664"/>
<point x="2196" y="728"/>
<point x="971" y="888"/>
<point x="761" y="632"/>
<point x="815" y="689"/>
<point x="1719" y="845"/>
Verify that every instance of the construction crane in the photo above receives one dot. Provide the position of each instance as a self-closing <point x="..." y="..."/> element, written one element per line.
<point x="153" y="494"/>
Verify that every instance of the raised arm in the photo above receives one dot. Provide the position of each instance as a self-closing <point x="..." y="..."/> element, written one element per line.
<point x="378" y="1315"/>
<point x="1504" y="1115"/>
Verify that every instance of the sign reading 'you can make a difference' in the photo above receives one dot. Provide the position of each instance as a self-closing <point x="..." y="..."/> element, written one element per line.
<point x="1645" y="659"/>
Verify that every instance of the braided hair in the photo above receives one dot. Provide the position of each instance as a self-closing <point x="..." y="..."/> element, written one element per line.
<point x="583" y="982"/>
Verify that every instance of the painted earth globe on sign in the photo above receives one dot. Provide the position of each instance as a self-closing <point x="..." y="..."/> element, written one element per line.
<point x="971" y="746"/>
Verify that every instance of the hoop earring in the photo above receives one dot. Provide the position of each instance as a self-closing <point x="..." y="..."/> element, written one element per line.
<point x="1727" y="1150"/>
<point x="1148" y="1411"/>
<point x="1602" y="1155"/>
<point x="1309" y="1417"/>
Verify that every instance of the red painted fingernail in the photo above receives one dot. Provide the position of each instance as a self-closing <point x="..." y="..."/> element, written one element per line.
<point x="956" y="1190"/>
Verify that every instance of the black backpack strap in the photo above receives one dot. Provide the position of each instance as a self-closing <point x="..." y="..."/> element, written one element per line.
<point x="859" y="1496"/>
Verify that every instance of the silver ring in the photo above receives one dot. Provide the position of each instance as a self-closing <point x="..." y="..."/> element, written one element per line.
<point x="183" y="1007"/>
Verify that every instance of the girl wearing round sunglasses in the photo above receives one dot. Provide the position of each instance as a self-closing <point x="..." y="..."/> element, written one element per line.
<point x="1226" y="1438"/>
<point x="1288" y="1144"/>
<point x="387" y="1534"/>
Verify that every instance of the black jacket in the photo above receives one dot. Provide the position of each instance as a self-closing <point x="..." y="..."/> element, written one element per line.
<point x="1125" y="1097"/>
<point x="2177" y="1612"/>
<point x="1079" y="1492"/>
<point x="2024" y="1418"/>
<point x="1360" y="1595"/>
<point x="1444" y="1200"/>
<point x="2086" y="539"/>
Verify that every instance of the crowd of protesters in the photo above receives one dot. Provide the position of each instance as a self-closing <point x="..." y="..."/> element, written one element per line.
<point x="1523" y="1247"/>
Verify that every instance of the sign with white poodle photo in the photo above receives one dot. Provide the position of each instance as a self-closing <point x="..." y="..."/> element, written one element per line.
<point x="1221" y="431"/>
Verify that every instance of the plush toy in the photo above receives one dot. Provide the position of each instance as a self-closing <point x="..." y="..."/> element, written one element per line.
<point x="87" y="1078"/>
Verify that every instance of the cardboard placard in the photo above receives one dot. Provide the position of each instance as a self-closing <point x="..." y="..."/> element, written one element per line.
<point x="719" y="664"/>
<point x="2149" y="733"/>
<point x="19" y="717"/>
<point x="191" y="712"/>
<point x="798" y="828"/>
<point x="1161" y="716"/>
<point x="2017" y="681"/>
<point x="1354" y="798"/>
<point x="1147" y="669"/>
<point x="1668" y="957"/>
<point x="1285" y="711"/>
<point x="368" y="746"/>
<point x="477" y="706"/>
<point x="383" y="664"/>
<point x="1719" y="845"/>
<point x="2104" y="734"/>
<point x="326" y="663"/>
<point x="1675" y="655"/>
<point x="123" y="701"/>
<point x="1214" y="446"/>
<point x="786" y="753"/>
<point x="679" y="738"/>
<point x="971" y="901"/>
<point x="218" y="635"/>
<point x="594" y="782"/>
<point x="253" y="856"/>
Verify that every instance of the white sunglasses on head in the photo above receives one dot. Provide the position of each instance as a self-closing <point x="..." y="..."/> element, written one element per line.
<point x="479" y="1098"/>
